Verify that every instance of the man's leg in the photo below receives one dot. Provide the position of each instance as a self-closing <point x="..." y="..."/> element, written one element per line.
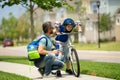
<point x="57" y="65"/>
<point x="49" y="60"/>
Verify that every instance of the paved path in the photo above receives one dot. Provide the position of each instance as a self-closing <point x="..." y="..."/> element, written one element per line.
<point x="24" y="70"/>
<point x="101" y="56"/>
<point x="13" y="51"/>
<point x="31" y="72"/>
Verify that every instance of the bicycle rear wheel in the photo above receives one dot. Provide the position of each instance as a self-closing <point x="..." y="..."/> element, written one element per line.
<point x="75" y="62"/>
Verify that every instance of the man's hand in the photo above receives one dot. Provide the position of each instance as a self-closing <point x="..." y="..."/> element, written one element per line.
<point x="55" y="51"/>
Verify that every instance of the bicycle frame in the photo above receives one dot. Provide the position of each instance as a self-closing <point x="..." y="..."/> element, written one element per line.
<point x="69" y="43"/>
<point x="72" y="54"/>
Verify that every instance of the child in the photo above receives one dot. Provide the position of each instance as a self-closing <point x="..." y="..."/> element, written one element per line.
<point x="66" y="27"/>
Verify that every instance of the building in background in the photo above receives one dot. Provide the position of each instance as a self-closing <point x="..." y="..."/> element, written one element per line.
<point x="88" y="19"/>
<point x="117" y="25"/>
<point x="91" y="28"/>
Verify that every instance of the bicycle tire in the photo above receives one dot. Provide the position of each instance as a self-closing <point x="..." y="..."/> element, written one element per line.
<point x="75" y="62"/>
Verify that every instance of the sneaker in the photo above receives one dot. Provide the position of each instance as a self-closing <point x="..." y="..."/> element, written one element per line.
<point x="41" y="71"/>
<point x="58" y="73"/>
<point x="69" y="71"/>
<point x="45" y="75"/>
<point x="53" y="73"/>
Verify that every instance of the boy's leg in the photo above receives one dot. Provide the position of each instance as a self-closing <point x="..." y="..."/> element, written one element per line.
<point x="68" y="69"/>
<point x="67" y="60"/>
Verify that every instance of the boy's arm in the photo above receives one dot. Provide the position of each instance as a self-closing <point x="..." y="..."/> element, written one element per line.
<point x="79" y="28"/>
<point x="55" y="32"/>
<point x="56" y="27"/>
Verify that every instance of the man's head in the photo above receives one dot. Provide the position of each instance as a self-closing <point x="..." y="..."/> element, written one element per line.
<point x="47" y="27"/>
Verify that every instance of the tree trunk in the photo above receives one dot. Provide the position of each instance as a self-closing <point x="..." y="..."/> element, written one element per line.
<point x="32" y="36"/>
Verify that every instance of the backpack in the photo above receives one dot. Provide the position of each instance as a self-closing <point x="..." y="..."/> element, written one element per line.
<point x="32" y="49"/>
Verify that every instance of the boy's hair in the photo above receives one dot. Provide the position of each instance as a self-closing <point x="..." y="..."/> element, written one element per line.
<point x="46" y="26"/>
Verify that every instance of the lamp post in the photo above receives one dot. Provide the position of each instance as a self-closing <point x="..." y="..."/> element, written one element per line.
<point x="98" y="6"/>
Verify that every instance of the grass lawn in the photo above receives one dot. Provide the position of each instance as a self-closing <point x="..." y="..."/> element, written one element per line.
<point x="14" y="59"/>
<point x="109" y="70"/>
<point x="103" y="69"/>
<point x="108" y="46"/>
<point x="10" y="76"/>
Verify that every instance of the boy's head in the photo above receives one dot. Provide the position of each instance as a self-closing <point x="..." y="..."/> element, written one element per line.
<point x="68" y="27"/>
<point x="69" y="24"/>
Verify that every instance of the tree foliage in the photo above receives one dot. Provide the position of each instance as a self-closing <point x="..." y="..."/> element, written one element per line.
<point x="44" y="4"/>
<point x="31" y="5"/>
<point x="105" y="22"/>
<point x="23" y="28"/>
<point x="80" y="10"/>
<point x="14" y="28"/>
<point x="8" y="26"/>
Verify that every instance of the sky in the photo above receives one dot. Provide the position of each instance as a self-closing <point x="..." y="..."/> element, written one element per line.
<point x="17" y="11"/>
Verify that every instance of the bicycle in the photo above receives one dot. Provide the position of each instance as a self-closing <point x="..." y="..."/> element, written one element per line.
<point x="73" y="56"/>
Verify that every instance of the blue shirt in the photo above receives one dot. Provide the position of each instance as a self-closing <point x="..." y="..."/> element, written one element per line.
<point x="43" y="42"/>
<point x="62" y="38"/>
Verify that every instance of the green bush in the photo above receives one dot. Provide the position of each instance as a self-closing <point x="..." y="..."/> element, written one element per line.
<point x="104" y="40"/>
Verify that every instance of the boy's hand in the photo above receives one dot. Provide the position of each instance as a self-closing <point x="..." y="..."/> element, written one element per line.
<point x="79" y="29"/>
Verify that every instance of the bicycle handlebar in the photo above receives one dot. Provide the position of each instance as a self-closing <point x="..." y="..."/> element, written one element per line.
<point x="62" y="33"/>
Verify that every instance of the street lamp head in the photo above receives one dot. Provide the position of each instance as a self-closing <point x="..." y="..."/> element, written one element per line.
<point x="98" y="3"/>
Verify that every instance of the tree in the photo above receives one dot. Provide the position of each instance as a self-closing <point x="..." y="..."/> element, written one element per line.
<point x="8" y="26"/>
<point x="105" y="23"/>
<point x="14" y="28"/>
<point x="32" y="5"/>
<point x="22" y="28"/>
<point x="81" y="11"/>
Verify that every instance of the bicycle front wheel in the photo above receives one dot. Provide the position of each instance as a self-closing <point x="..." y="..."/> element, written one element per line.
<point x="75" y="62"/>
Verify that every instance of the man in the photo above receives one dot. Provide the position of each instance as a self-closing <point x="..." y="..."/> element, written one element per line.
<point x="47" y="61"/>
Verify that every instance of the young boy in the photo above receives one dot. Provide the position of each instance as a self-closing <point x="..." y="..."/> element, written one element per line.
<point x="66" y="27"/>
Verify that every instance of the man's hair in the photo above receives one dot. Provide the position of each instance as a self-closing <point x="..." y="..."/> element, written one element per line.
<point x="46" y="26"/>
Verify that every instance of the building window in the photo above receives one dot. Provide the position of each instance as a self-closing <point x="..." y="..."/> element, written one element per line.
<point x="94" y="8"/>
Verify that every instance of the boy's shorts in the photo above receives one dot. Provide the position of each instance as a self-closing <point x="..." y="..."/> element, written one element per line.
<point x="63" y="47"/>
